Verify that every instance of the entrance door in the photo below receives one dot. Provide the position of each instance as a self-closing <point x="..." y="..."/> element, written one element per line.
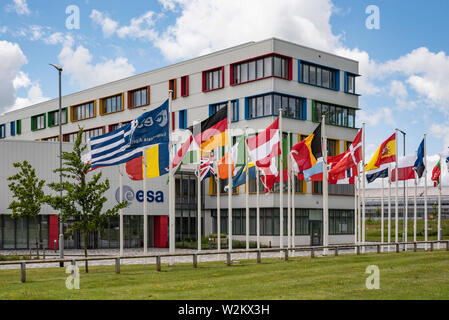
<point x="315" y="228"/>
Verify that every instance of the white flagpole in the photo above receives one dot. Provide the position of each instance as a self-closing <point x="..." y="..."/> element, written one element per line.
<point x="415" y="209"/>
<point x="389" y="205"/>
<point x="218" y="208"/>
<point x="171" y="183"/>
<point x="356" y="207"/>
<point x="439" y="204"/>
<point x="425" y="191"/>
<point x="325" y="184"/>
<point x="359" y="207"/>
<point x="289" y="195"/>
<point x="145" y="216"/>
<point x="281" y="185"/>
<point x="199" y="201"/>
<point x="121" y="210"/>
<point x="229" y="179"/>
<point x="382" y="216"/>
<point x="396" y="223"/>
<point x="247" y="192"/>
<point x="293" y="202"/>
<point x="363" y="186"/>
<point x="257" y="208"/>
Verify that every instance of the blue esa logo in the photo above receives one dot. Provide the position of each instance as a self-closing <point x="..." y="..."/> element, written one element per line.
<point x="129" y="195"/>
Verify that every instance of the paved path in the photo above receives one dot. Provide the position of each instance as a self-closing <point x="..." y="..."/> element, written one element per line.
<point x="74" y="254"/>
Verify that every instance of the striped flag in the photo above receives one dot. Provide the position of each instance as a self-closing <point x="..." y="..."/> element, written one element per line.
<point x="206" y="167"/>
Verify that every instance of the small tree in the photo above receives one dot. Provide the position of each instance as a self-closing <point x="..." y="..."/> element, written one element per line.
<point x="27" y="190"/>
<point x="83" y="199"/>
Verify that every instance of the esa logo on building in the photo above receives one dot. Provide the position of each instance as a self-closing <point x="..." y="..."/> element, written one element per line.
<point x="130" y="196"/>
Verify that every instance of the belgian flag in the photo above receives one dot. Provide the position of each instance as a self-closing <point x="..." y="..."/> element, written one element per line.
<point x="212" y="132"/>
<point x="306" y="153"/>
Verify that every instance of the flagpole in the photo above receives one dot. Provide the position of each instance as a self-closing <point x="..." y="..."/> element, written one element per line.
<point x="145" y="216"/>
<point x="325" y="185"/>
<point x="425" y="191"/>
<point x="218" y="208"/>
<point x="396" y="222"/>
<point x="414" y="205"/>
<point x="382" y="216"/>
<point x="120" y="170"/>
<point x="199" y="200"/>
<point x="293" y="202"/>
<point x="171" y="183"/>
<point x="359" y="207"/>
<point x="257" y="208"/>
<point x="247" y="193"/>
<point x="363" y="186"/>
<point x="281" y="185"/>
<point x="439" y="205"/>
<point x="229" y="179"/>
<point x="289" y="196"/>
<point x="389" y="205"/>
<point x="404" y="238"/>
<point x="356" y="207"/>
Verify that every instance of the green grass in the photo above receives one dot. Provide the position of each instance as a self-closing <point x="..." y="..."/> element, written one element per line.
<point x="421" y="275"/>
<point x="373" y="228"/>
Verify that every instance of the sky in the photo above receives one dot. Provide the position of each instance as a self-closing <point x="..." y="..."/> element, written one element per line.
<point x="404" y="62"/>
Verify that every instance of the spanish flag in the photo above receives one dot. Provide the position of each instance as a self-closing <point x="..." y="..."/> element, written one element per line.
<point x="157" y="163"/>
<point x="212" y="132"/>
<point x="386" y="153"/>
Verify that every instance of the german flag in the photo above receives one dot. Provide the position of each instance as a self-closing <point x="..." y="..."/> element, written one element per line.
<point x="212" y="132"/>
<point x="306" y="153"/>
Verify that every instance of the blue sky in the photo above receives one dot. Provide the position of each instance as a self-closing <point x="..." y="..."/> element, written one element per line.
<point x="404" y="64"/>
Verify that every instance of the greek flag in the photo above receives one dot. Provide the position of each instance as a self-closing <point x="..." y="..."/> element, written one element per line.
<point x="125" y="143"/>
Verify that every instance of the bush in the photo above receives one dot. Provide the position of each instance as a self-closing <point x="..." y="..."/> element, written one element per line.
<point x="214" y="235"/>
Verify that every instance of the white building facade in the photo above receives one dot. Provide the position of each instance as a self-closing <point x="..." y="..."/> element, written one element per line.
<point x="258" y="78"/>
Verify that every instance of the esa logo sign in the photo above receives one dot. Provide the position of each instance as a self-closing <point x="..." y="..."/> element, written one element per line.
<point x="130" y="196"/>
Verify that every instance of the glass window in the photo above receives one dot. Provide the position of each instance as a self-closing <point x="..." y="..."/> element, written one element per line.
<point x="213" y="79"/>
<point x="350" y="83"/>
<point x="9" y="232"/>
<point x="260" y="106"/>
<point x="244" y="72"/>
<point x="260" y="68"/>
<point x="312" y="76"/>
<point x="267" y="105"/>
<point x="252" y="70"/>
<point x="268" y="66"/>
<point x="318" y="76"/>
<point x="305" y="73"/>
<point x="325" y="78"/>
<point x="277" y="67"/>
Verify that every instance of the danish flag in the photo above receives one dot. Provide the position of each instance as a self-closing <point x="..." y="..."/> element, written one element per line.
<point x="350" y="159"/>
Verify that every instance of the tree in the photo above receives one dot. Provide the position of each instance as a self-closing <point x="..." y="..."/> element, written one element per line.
<point x="27" y="190"/>
<point x="83" y="199"/>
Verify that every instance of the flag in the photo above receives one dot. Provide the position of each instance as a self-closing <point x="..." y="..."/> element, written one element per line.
<point x="306" y="153"/>
<point x="316" y="172"/>
<point x="269" y="180"/>
<point x="188" y="153"/>
<point x="386" y="153"/>
<point x="240" y="177"/>
<point x="345" y="177"/>
<point x="405" y="168"/>
<point x="124" y="144"/>
<point x="206" y="167"/>
<point x="381" y="172"/>
<point x="263" y="147"/>
<point x="350" y="158"/>
<point x="445" y="155"/>
<point x="419" y="163"/>
<point x="238" y="158"/>
<point x="157" y="157"/>
<point x="436" y="174"/>
<point x="212" y="132"/>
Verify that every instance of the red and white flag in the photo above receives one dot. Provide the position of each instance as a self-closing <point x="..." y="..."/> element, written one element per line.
<point x="405" y="168"/>
<point x="264" y="147"/>
<point x="350" y="159"/>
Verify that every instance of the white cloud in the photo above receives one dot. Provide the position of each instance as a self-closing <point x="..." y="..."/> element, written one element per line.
<point x="19" y="6"/>
<point x="140" y="28"/>
<point x="381" y="115"/>
<point x="12" y="59"/>
<point x="169" y="5"/>
<point x="440" y="131"/>
<point x="78" y="66"/>
<point x="108" y="25"/>
<point x="59" y="38"/>
<point x="21" y="80"/>
<point x="34" y="96"/>
<point x="398" y="90"/>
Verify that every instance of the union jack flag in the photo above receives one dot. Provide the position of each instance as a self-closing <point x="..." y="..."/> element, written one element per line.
<point x="207" y="167"/>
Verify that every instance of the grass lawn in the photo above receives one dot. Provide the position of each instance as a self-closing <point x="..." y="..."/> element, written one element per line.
<point x="373" y="229"/>
<point x="421" y="275"/>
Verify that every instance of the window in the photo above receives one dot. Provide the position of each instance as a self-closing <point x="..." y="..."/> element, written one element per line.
<point x="333" y="189"/>
<point x="185" y="86"/>
<point x="335" y="115"/>
<point x="332" y="147"/>
<point x="19" y="126"/>
<point x="38" y="122"/>
<point x="213" y="108"/>
<point x="183" y="119"/>
<point x="341" y="222"/>
<point x="223" y="183"/>
<point x="172" y="86"/>
<point x="2" y="131"/>
<point x="115" y="126"/>
<point x="139" y="97"/>
<point x="261" y="67"/>
<point x="12" y="127"/>
<point x="53" y="117"/>
<point x="51" y="139"/>
<point x="269" y="104"/>
<point x="301" y="222"/>
<point x="350" y="83"/>
<point x="83" y="111"/>
<point x="111" y="104"/>
<point x="213" y="79"/>
<point x="318" y="75"/>
<point x="71" y="137"/>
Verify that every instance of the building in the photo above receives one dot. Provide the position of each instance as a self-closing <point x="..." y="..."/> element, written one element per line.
<point x="258" y="77"/>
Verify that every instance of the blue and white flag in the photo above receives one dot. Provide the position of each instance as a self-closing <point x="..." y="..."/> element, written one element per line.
<point x="125" y="144"/>
<point x="150" y="128"/>
<point x="381" y="172"/>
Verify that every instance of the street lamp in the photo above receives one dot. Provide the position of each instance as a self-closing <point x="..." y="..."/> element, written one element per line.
<point x="61" y="235"/>
<point x="404" y="235"/>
